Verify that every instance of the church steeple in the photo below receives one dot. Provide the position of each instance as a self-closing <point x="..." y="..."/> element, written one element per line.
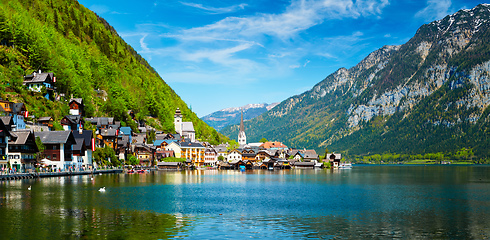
<point x="242" y="128"/>
<point x="242" y="138"/>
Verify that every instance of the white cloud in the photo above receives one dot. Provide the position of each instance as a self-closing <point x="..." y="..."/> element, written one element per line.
<point x="306" y="63"/>
<point x="299" y="16"/>
<point x="214" y="10"/>
<point x="435" y="9"/>
<point x="243" y="49"/>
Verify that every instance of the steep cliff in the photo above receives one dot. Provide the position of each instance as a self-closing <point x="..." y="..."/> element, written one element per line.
<point x="430" y="94"/>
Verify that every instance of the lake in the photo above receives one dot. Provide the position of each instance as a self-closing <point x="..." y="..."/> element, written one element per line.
<point x="379" y="201"/>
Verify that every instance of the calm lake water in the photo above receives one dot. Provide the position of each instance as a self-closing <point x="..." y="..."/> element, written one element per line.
<point x="364" y="202"/>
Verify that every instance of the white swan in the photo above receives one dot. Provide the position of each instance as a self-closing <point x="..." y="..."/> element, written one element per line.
<point x="29" y="188"/>
<point x="102" y="189"/>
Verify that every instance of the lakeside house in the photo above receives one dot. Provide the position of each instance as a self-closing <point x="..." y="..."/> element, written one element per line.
<point x="334" y="159"/>
<point x="85" y="150"/>
<point x="234" y="155"/>
<point x="4" y="150"/>
<point x="210" y="157"/>
<point x="58" y="148"/>
<point x="193" y="151"/>
<point x="22" y="150"/>
<point x="145" y="154"/>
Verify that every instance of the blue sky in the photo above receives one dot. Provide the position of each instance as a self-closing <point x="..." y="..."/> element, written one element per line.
<point x="217" y="54"/>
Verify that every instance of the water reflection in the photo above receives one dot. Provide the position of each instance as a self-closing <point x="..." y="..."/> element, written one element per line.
<point x="365" y="202"/>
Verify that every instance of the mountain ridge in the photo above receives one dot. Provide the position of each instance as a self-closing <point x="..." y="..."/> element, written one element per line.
<point x="427" y="95"/>
<point x="227" y="116"/>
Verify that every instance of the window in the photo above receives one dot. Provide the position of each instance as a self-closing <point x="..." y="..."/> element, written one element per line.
<point x="54" y="156"/>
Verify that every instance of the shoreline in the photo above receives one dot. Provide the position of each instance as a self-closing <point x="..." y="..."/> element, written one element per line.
<point x="19" y="176"/>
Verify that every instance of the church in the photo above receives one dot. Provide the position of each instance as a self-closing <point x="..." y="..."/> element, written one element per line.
<point x="242" y="138"/>
<point x="185" y="129"/>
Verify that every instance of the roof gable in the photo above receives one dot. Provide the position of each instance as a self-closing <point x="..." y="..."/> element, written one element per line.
<point x="86" y="135"/>
<point x="78" y="101"/>
<point x="56" y="137"/>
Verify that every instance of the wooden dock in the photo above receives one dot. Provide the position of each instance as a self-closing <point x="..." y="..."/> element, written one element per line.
<point x="17" y="176"/>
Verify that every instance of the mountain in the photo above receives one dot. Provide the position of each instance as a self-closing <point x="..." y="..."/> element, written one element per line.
<point x="85" y="54"/>
<point x="429" y="95"/>
<point x="222" y="118"/>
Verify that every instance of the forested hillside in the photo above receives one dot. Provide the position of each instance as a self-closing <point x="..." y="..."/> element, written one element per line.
<point x="429" y="95"/>
<point x="85" y="53"/>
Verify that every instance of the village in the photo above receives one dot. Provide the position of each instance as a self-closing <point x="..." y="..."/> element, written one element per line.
<point x="73" y="148"/>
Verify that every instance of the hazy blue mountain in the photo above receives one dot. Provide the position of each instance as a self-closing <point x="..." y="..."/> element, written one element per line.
<point x="228" y="116"/>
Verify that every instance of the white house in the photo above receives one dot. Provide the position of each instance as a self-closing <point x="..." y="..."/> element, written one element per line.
<point x="234" y="155"/>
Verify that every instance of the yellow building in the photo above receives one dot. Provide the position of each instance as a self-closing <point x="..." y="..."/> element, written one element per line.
<point x="193" y="152"/>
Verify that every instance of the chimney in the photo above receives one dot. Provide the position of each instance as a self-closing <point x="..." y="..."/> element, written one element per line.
<point x="80" y="130"/>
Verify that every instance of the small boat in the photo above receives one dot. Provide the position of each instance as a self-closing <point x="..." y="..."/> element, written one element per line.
<point x="271" y="168"/>
<point x="131" y="171"/>
<point x="345" y="166"/>
<point x="141" y="171"/>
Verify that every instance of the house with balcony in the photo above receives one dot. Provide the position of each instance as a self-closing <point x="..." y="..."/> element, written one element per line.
<point x="145" y="154"/>
<point x="86" y="151"/>
<point x="37" y="81"/>
<point x="107" y="137"/>
<point x="234" y="155"/>
<point x="22" y="150"/>
<point x="58" y="150"/>
<point x="4" y="150"/>
<point x="249" y="154"/>
<point x="193" y="151"/>
<point x="210" y="157"/>
<point x="76" y="106"/>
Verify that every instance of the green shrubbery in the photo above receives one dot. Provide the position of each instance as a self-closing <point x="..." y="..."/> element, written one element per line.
<point x="85" y="53"/>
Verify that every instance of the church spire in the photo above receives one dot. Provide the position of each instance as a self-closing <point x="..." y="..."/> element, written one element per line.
<point x="242" y="138"/>
<point x="242" y="128"/>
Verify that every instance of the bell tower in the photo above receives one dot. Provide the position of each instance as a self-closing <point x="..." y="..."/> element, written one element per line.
<point x="178" y="121"/>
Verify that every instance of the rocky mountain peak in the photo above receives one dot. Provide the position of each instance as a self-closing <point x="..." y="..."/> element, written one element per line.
<point x="438" y="82"/>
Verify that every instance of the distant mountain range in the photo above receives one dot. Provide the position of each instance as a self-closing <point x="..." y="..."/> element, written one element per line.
<point x="431" y="94"/>
<point x="229" y="116"/>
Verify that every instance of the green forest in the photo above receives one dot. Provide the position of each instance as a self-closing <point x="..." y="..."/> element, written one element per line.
<point x="443" y="125"/>
<point x="85" y="54"/>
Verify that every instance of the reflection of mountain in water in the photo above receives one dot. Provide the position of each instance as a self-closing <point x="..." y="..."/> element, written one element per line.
<point x="407" y="202"/>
